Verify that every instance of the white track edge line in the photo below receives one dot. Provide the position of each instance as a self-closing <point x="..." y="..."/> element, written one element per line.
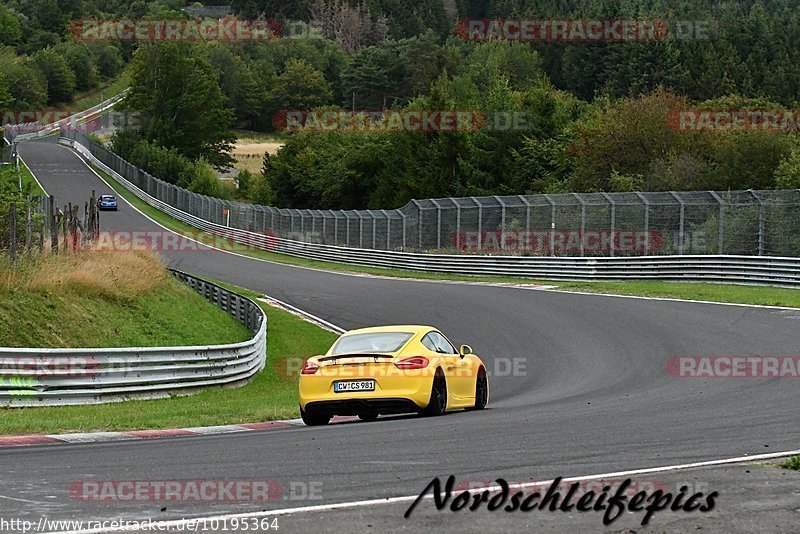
<point x="177" y="523"/>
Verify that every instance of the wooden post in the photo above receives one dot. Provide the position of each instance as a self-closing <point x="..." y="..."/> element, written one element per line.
<point x="28" y="225"/>
<point x="64" y="226"/>
<point x="53" y="225"/>
<point x="12" y="213"/>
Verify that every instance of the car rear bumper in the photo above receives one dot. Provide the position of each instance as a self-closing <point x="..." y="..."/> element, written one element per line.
<point x="413" y="387"/>
<point x="361" y="406"/>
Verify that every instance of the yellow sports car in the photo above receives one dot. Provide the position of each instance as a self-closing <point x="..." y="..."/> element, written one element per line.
<point x="391" y="370"/>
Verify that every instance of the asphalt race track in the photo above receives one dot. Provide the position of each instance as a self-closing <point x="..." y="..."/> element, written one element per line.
<point x="591" y="396"/>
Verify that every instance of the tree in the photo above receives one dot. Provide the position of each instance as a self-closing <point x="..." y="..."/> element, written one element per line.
<point x="6" y="100"/>
<point x="175" y="89"/>
<point x="787" y="175"/>
<point x="80" y="63"/>
<point x="56" y="72"/>
<point x="10" y="30"/>
<point x="300" y="87"/>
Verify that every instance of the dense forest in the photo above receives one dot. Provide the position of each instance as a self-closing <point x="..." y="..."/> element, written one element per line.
<point x="599" y="115"/>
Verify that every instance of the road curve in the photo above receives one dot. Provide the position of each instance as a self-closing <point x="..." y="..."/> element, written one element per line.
<point x="593" y="395"/>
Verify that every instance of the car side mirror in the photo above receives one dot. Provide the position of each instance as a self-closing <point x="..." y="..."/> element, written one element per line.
<point x="465" y="349"/>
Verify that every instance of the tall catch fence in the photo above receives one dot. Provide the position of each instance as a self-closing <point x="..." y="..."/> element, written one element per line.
<point x="747" y="223"/>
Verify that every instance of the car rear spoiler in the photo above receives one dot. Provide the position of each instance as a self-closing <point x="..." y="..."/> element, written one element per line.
<point x="357" y="355"/>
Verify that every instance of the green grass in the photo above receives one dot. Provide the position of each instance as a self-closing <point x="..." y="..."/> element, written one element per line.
<point x="791" y="463"/>
<point x="28" y="180"/>
<point x="271" y="395"/>
<point x="93" y="300"/>
<point x="765" y="296"/>
<point x="101" y="93"/>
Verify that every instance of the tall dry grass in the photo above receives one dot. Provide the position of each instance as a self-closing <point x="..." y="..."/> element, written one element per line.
<point x="120" y="275"/>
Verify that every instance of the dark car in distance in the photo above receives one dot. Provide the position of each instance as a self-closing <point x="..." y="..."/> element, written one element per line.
<point x="107" y="202"/>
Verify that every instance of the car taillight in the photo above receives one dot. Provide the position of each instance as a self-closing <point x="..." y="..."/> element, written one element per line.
<point x="309" y="368"/>
<point x="415" y="362"/>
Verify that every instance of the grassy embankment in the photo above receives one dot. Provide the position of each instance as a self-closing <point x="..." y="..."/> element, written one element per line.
<point x="128" y="299"/>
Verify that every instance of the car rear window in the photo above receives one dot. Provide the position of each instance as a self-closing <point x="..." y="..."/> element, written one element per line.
<point x="378" y="342"/>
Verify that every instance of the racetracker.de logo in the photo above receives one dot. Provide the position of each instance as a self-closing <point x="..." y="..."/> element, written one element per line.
<point x="148" y="31"/>
<point x="734" y="366"/>
<point x="175" y="490"/>
<point x="734" y="121"/>
<point x="40" y="120"/>
<point x="43" y="366"/>
<point x="560" y="241"/>
<point x="565" y="30"/>
<point x="189" y="241"/>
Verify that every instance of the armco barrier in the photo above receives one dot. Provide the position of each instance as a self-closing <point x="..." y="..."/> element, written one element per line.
<point x="39" y="377"/>
<point x="760" y="270"/>
<point x="33" y="130"/>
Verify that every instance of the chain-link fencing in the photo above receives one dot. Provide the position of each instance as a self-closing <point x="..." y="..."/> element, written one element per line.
<point x="750" y="223"/>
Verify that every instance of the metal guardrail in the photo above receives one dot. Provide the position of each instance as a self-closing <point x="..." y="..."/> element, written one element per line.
<point x="40" y="377"/>
<point x="33" y="130"/>
<point x="759" y="270"/>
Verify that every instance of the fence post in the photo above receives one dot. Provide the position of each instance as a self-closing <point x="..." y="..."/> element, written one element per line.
<point x="721" y="221"/>
<point x="502" y="222"/>
<point x="458" y="224"/>
<point x="480" y="223"/>
<point x="53" y="224"/>
<point x="438" y="224"/>
<point x="360" y="230"/>
<point x="403" y="216"/>
<point x="646" y="221"/>
<point x="681" y="238"/>
<point x="552" y="224"/>
<point x="388" y="229"/>
<point x="419" y="224"/>
<point x="28" y="229"/>
<point x="12" y="214"/>
<point x="762" y="222"/>
<point x="611" y="201"/>
<point x="527" y="204"/>
<point x="374" y="230"/>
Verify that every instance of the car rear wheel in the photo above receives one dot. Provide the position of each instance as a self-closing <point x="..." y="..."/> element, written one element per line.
<point x="317" y="419"/>
<point x="481" y="391"/>
<point x="438" y="402"/>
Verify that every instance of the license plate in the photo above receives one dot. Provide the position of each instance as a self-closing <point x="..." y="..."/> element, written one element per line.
<point x="354" y="385"/>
